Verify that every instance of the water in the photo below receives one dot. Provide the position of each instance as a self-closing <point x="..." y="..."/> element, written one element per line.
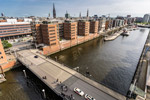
<point x="17" y="87"/>
<point x="111" y="63"/>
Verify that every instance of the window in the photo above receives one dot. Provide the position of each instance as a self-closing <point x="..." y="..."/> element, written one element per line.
<point x="53" y="44"/>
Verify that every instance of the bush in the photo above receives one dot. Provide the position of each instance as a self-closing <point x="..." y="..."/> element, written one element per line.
<point x="6" y="44"/>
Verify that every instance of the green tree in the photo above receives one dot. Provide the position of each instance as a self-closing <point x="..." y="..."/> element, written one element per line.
<point x="6" y="44"/>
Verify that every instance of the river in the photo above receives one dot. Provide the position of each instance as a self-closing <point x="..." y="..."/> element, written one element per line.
<point x="17" y="87"/>
<point x="111" y="63"/>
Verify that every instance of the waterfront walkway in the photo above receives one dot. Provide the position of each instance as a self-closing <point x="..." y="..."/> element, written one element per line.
<point x="112" y="37"/>
<point x="54" y="71"/>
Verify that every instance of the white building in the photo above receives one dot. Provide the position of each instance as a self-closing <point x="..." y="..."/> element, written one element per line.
<point x="146" y="18"/>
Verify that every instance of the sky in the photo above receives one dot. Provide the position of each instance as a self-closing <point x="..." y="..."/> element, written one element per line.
<point x="21" y="8"/>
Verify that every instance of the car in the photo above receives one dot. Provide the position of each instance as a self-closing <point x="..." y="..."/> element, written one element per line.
<point x="88" y="97"/>
<point x="36" y="56"/>
<point x="78" y="91"/>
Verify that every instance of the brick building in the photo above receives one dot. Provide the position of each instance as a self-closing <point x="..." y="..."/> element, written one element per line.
<point x="93" y="27"/>
<point x="107" y="25"/>
<point x="46" y="34"/>
<point x="3" y="58"/>
<point x="83" y="28"/>
<point x="70" y="30"/>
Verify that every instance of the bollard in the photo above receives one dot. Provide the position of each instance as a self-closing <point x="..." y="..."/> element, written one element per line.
<point x="24" y="71"/>
<point x="44" y="95"/>
<point x="78" y="69"/>
<point x="56" y="58"/>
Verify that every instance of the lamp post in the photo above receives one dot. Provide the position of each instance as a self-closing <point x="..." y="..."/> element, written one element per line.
<point x="25" y="73"/>
<point x="44" y="95"/>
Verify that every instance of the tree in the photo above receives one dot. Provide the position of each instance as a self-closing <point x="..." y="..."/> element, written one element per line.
<point x="6" y="44"/>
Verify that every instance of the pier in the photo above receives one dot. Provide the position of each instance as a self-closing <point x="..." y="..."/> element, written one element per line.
<point x="56" y="75"/>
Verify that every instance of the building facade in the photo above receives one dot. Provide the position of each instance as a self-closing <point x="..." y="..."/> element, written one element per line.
<point x="93" y="27"/>
<point x="12" y="28"/>
<point x="3" y="58"/>
<point x="83" y="28"/>
<point x="146" y="18"/>
<point x="70" y="30"/>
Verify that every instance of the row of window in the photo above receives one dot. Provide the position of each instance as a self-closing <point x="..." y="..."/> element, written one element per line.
<point x="15" y="33"/>
<point x="14" y="25"/>
<point x="14" y="28"/>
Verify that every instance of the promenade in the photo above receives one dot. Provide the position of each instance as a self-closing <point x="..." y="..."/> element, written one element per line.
<point x="112" y="37"/>
<point x="64" y="76"/>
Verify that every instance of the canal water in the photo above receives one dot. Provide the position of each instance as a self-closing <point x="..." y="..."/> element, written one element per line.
<point x="17" y="87"/>
<point x="111" y="63"/>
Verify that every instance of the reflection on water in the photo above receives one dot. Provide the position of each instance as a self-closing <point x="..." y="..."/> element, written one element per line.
<point x="17" y="87"/>
<point x="111" y="63"/>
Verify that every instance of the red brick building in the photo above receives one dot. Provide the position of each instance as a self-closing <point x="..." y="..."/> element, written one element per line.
<point x="70" y="30"/>
<point x="3" y="58"/>
<point x="93" y="27"/>
<point x="83" y="28"/>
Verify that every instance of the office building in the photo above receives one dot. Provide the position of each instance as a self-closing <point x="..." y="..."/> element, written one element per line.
<point x="93" y="26"/>
<point x="13" y="28"/>
<point x="107" y="25"/>
<point x="46" y="34"/>
<point x="83" y="27"/>
<point x="146" y="18"/>
<point x="70" y="30"/>
<point x="101" y="23"/>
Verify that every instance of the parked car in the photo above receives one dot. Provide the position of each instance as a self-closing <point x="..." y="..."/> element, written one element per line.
<point x="78" y="91"/>
<point x="88" y="97"/>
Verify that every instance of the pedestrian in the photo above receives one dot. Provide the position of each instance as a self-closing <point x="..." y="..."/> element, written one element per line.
<point x="60" y="82"/>
<point x="45" y="77"/>
<point x="57" y="80"/>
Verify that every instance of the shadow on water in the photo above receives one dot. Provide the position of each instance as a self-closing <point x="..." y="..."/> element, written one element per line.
<point x="17" y="87"/>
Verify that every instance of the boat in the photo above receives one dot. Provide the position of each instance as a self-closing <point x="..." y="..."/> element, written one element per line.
<point x="125" y="32"/>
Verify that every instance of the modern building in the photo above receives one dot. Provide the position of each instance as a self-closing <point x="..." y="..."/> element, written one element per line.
<point x="70" y="30"/>
<point x="3" y="58"/>
<point x="83" y="27"/>
<point x="128" y="16"/>
<point x="13" y="28"/>
<point x="93" y="26"/>
<point x="139" y="19"/>
<point x="101" y="23"/>
<point x="146" y="18"/>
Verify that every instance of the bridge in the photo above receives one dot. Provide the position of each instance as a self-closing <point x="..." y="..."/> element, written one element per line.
<point x="56" y="76"/>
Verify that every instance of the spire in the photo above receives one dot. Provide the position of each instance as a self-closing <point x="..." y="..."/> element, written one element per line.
<point x="80" y="15"/>
<point x="49" y="15"/>
<point x="2" y="14"/>
<point x="54" y="11"/>
<point x="87" y="13"/>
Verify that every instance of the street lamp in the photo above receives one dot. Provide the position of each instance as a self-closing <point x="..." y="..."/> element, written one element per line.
<point x="44" y="95"/>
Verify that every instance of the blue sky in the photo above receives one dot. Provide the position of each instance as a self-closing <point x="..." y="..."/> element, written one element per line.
<point x="74" y="7"/>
